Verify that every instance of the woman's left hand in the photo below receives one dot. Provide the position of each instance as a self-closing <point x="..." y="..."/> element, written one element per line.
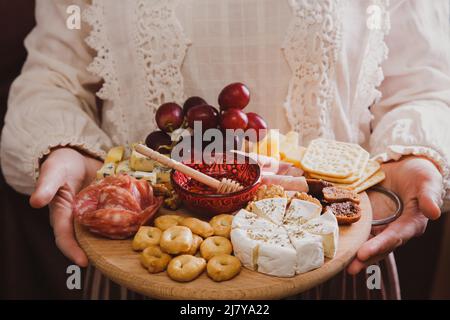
<point x="418" y="182"/>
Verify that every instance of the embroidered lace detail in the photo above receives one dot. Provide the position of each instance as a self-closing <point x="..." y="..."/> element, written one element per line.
<point x="371" y="73"/>
<point x="104" y="66"/>
<point x="311" y="47"/>
<point x="161" y="46"/>
<point x="395" y="152"/>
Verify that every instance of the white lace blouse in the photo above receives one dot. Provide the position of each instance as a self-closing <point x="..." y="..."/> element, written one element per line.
<point x="368" y="71"/>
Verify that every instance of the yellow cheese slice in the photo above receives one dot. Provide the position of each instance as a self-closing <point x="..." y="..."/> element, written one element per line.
<point x="115" y="154"/>
<point x="270" y="145"/>
<point x="294" y="155"/>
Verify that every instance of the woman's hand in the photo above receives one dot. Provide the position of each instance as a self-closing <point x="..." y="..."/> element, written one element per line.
<point x="62" y="175"/>
<point x="419" y="184"/>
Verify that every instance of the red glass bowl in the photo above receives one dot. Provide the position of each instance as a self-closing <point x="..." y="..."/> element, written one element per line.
<point x="204" y="201"/>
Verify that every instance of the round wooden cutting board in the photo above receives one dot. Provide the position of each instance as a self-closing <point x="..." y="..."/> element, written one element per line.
<point x="116" y="260"/>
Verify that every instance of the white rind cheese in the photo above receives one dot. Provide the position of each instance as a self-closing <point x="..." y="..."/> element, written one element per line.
<point x="309" y="250"/>
<point x="301" y="211"/>
<point x="325" y="226"/>
<point x="280" y="242"/>
<point x="246" y="220"/>
<point x="272" y="209"/>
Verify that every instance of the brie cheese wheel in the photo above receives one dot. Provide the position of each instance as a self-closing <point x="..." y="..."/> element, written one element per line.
<point x="280" y="242"/>
<point x="272" y="209"/>
<point x="327" y="227"/>
<point x="300" y="212"/>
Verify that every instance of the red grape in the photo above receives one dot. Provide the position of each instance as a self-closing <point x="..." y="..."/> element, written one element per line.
<point x="192" y="102"/>
<point x="206" y="114"/>
<point x="169" y="117"/>
<point x="233" y="119"/>
<point x="235" y="95"/>
<point x="257" y="123"/>
<point x="159" y="141"/>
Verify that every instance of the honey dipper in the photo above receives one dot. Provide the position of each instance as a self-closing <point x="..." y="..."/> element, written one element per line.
<point x="222" y="186"/>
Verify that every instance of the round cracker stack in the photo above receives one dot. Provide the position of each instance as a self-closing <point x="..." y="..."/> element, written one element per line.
<point x="344" y="164"/>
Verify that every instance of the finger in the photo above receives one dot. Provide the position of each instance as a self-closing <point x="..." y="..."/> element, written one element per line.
<point x="429" y="198"/>
<point x="50" y="180"/>
<point x="397" y="233"/>
<point x="356" y="266"/>
<point x="64" y="234"/>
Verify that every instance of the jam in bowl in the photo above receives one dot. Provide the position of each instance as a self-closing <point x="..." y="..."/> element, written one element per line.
<point x="205" y="201"/>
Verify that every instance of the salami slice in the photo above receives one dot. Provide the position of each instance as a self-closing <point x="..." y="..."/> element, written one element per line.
<point x="116" y="206"/>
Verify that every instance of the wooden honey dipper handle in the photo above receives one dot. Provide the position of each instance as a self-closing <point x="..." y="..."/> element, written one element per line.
<point x="224" y="186"/>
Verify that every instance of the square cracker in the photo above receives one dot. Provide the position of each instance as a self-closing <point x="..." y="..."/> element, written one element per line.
<point x="354" y="178"/>
<point x="373" y="180"/>
<point x="332" y="158"/>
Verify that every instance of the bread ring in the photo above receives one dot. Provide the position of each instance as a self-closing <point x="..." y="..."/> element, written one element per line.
<point x="215" y="245"/>
<point x="222" y="225"/>
<point x="196" y="242"/>
<point x="167" y="221"/>
<point x="197" y="226"/>
<point x="176" y="240"/>
<point x="146" y="236"/>
<point x="223" y="267"/>
<point x="154" y="260"/>
<point x="185" y="268"/>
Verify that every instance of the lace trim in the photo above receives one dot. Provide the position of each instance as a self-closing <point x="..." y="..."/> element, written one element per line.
<point x="161" y="46"/>
<point x="311" y="47"/>
<point x="104" y="66"/>
<point x="92" y="149"/>
<point x="395" y="152"/>
<point x="371" y="73"/>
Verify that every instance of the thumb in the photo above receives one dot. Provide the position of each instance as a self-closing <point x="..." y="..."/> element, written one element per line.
<point x="429" y="198"/>
<point x="51" y="178"/>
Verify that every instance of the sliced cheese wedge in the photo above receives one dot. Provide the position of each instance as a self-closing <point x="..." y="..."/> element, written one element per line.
<point x="301" y="211"/>
<point x="309" y="249"/>
<point x="246" y="220"/>
<point x="327" y="227"/>
<point x="265" y="251"/>
<point x="272" y="209"/>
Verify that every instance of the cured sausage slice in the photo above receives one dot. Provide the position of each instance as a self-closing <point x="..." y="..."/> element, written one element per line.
<point x="116" y="207"/>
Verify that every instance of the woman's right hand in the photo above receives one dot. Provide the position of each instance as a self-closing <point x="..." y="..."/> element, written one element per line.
<point x="63" y="173"/>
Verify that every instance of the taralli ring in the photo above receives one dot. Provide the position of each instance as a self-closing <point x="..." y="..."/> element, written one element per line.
<point x="196" y="242"/>
<point x="146" y="236"/>
<point x="185" y="268"/>
<point x="213" y="246"/>
<point x="167" y="221"/>
<point x="176" y="240"/>
<point x="197" y="226"/>
<point x="154" y="259"/>
<point x="222" y="225"/>
<point x="223" y="267"/>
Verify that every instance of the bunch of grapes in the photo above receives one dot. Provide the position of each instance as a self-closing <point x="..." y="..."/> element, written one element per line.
<point x="171" y="117"/>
